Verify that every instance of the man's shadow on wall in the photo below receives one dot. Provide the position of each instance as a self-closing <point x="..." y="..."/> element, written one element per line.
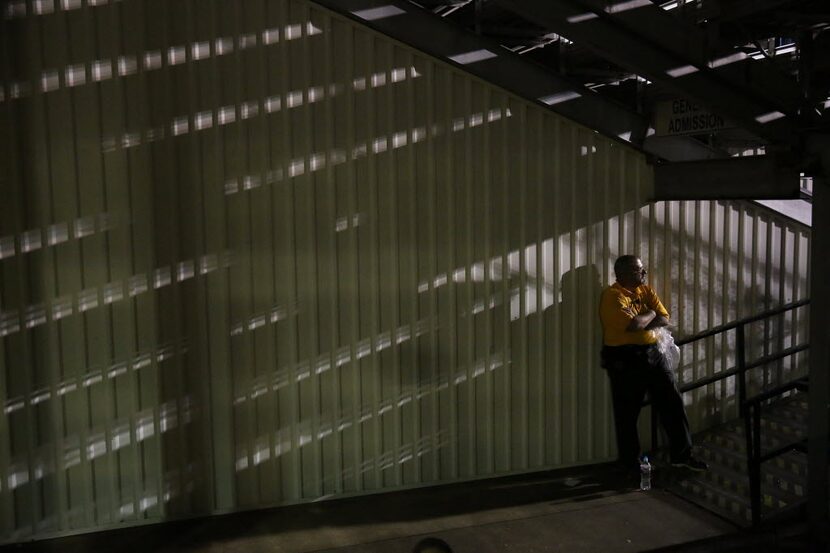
<point x="586" y="409"/>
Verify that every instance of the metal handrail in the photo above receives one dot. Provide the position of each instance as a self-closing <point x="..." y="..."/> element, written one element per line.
<point x="740" y="322"/>
<point x="800" y="384"/>
<point x="732" y="372"/>
<point x="750" y="409"/>
<point x="741" y="364"/>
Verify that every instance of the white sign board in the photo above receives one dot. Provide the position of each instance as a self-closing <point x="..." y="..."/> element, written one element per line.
<point x="678" y="117"/>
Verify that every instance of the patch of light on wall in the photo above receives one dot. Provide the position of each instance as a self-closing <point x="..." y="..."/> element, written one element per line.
<point x="127" y="65"/>
<point x="346" y="222"/>
<point x="18" y="476"/>
<point x="148" y="502"/>
<point x="318" y="161"/>
<point x="225" y="115"/>
<point x="55" y="234"/>
<point x="75" y="75"/>
<point x="481" y="305"/>
<point x="480" y="367"/>
<point x="153" y="60"/>
<point x="90" y="298"/>
<point x="474" y="56"/>
<point x="17" y="8"/>
<point x="95" y="444"/>
<point x="323" y="363"/>
<point x="381" y="12"/>
<point x="544" y="282"/>
<point x="270" y="316"/>
<point x="95" y="376"/>
<point x="458" y="276"/>
<point x="43" y="7"/>
<point x="301" y="434"/>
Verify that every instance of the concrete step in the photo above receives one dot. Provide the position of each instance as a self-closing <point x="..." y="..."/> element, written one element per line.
<point x="788" y="471"/>
<point x="731" y="447"/>
<point x="732" y="506"/>
<point x="724" y="488"/>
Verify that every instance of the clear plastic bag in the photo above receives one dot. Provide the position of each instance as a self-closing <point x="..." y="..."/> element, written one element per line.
<point x="666" y="345"/>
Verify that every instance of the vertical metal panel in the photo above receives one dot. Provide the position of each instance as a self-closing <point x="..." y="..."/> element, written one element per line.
<point x="255" y="254"/>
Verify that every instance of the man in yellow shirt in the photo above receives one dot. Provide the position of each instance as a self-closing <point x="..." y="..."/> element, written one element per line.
<point x="630" y="310"/>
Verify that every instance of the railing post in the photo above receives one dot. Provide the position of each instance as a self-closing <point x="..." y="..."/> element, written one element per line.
<point x="752" y="429"/>
<point x="755" y="469"/>
<point x="740" y="361"/>
<point x="750" y="448"/>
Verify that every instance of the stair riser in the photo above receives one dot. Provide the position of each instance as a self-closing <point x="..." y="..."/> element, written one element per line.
<point x="724" y="489"/>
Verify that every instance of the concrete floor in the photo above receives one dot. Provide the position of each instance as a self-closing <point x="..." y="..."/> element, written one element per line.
<point x="573" y="510"/>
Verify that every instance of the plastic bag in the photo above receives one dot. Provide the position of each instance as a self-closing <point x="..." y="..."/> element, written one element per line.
<point x="666" y="345"/>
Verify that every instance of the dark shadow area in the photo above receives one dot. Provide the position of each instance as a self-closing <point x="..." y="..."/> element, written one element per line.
<point x="577" y="484"/>
<point x="771" y="539"/>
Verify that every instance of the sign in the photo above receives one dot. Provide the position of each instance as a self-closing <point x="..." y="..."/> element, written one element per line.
<point x="677" y="117"/>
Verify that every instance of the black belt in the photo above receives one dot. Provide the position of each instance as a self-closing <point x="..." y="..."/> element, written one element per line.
<point x="610" y="353"/>
<point x="628" y="348"/>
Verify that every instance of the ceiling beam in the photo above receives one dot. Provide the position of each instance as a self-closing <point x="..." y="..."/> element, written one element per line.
<point x="442" y="39"/>
<point x="665" y="49"/>
<point x="755" y="177"/>
<point x="734" y="10"/>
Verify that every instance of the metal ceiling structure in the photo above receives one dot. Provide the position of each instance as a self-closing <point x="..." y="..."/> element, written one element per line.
<point x="763" y="66"/>
<point x="721" y="54"/>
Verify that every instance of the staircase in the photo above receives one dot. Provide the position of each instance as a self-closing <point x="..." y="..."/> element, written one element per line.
<point x="724" y="488"/>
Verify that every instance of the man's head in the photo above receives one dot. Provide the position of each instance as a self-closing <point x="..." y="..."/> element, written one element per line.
<point x="630" y="271"/>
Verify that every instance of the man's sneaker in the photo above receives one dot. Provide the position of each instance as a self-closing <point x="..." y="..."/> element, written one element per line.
<point x="691" y="463"/>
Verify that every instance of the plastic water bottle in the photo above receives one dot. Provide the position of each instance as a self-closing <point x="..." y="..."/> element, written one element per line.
<point x="645" y="474"/>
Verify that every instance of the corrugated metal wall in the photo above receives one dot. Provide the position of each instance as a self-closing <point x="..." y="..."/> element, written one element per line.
<point x="254" y="254"/>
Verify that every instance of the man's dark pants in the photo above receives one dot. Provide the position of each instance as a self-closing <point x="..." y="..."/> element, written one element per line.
<point x="635" y="370"/>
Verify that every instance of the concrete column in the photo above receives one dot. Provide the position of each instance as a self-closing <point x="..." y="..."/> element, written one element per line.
<point x="819" y="424"/>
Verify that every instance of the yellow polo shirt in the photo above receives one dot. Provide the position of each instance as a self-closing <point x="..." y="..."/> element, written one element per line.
<point x="617" y="306"/>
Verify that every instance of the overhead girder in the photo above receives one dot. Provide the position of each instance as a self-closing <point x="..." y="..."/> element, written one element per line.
<point x="752" y="178"/>
<point x="652" y="43"/>
<point x="733" y="10"/>
<point x="443" y="39"/>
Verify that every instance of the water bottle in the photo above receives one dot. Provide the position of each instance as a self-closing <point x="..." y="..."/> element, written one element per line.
<point x="645" y="474"/>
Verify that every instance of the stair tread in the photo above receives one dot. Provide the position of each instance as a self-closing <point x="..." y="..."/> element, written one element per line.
<point x="778" y="484"/>
<point x="738" y="508"/>
<point x="724" y="488"/>
<point x="768" y="443"/>
<point x="734" y="506"/>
